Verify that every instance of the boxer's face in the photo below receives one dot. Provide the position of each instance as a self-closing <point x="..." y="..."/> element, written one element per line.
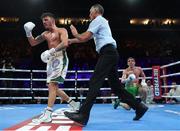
<point x="47" y="22"/>
<point x="131" y="62"/>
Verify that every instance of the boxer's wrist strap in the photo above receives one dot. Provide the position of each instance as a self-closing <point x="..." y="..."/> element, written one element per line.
<point x="29" y="34"/>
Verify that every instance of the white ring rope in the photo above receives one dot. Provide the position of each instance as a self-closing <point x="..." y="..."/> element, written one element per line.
<point x="173" y="74"/>
<point x="69" y="71"/>
<point x="171" y="96"/>
<point x="169" y="86"/>
<point x="171" y="64"/>
<point x="22" y="70"/>
<point x="77" y="79"/>
<point x="37" y="79"/>
<point x="15" y="70"/>
<point x="81" y="97"/>
<point x="15" y="79"/>
<point x="119" y="70"/>
<point x="44" y="71"/>
<point x="105" y="97"/>
<point x="169" y="75"/>
<point x="46" y="89"/>
<point x="16" y="89"/>
<point x="14" y="98"/>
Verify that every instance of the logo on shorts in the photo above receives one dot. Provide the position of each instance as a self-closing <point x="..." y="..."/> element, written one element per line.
<point x="55" y="63"/>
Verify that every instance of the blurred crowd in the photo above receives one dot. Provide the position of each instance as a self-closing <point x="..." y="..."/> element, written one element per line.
<point x="148" y="52"/>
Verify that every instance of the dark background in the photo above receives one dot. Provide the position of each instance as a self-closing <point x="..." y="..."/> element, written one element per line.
<point x="158" y="44"/>
<point x="113" y="9"/>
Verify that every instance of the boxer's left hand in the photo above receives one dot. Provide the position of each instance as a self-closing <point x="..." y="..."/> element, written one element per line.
<point x="47" y="55"/>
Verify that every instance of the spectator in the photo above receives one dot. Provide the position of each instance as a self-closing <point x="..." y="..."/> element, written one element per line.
<point x="7" y="74"/>
<point x="174" y="91"/>
<point x="150" y="96"/>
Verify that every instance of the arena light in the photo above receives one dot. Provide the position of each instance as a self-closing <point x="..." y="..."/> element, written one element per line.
<point x="146" y="21"/>
<point x="9" y="19"/>
<point x="132" y="21"/>
<point x="174" y="21"/>
<point x="68" y="21"/>
<point x="61" y="21"/>
<point x="167" y="21"/>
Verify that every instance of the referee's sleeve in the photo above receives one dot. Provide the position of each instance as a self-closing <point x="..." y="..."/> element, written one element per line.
<point x="94" y="26"/>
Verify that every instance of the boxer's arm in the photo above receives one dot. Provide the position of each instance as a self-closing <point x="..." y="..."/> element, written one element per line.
<point x="28" y="27"/>
<point x="143" y="82"/>
<point x="142" y="74"/>
<point x="35" y="41"/>
<point x="123" y="78"/>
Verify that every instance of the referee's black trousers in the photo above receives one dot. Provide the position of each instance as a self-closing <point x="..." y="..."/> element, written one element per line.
<point x="106" y="67"/>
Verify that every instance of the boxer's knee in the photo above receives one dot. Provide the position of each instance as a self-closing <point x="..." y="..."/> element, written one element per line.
<point x="53" y="85"/>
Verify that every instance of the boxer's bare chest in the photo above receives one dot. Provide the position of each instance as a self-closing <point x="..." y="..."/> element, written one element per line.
<point x="134" y="70"/>
<point x="53" y="39"/>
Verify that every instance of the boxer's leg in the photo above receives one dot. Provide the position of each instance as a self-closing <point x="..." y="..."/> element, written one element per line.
<point x="64" y="97"/>
<point x="46" y="116"/>
<point x="131" y="89"/>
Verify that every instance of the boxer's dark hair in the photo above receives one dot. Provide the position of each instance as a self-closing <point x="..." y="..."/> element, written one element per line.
<point x="48" y="14"/>
<point x="131" y="58"/>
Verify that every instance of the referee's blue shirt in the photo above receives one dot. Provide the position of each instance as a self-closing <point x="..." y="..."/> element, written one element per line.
<point x="101" y="32"/>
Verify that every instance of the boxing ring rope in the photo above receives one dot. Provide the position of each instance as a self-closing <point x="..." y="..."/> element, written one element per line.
<point x="165" y="86"/>
<point x="174" y="74"/>
<point x="75" y="80"/>
<point x="171" y="64"/>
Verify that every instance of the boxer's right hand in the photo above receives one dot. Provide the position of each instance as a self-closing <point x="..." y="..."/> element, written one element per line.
<point x="28" y="27"/>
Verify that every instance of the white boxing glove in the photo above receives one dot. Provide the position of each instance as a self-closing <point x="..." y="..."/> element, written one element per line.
<point x="47" y="55"/>
<point x="28" y="27"/>
<point x="131" y="77"/>
<point x="143" y="83"/>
